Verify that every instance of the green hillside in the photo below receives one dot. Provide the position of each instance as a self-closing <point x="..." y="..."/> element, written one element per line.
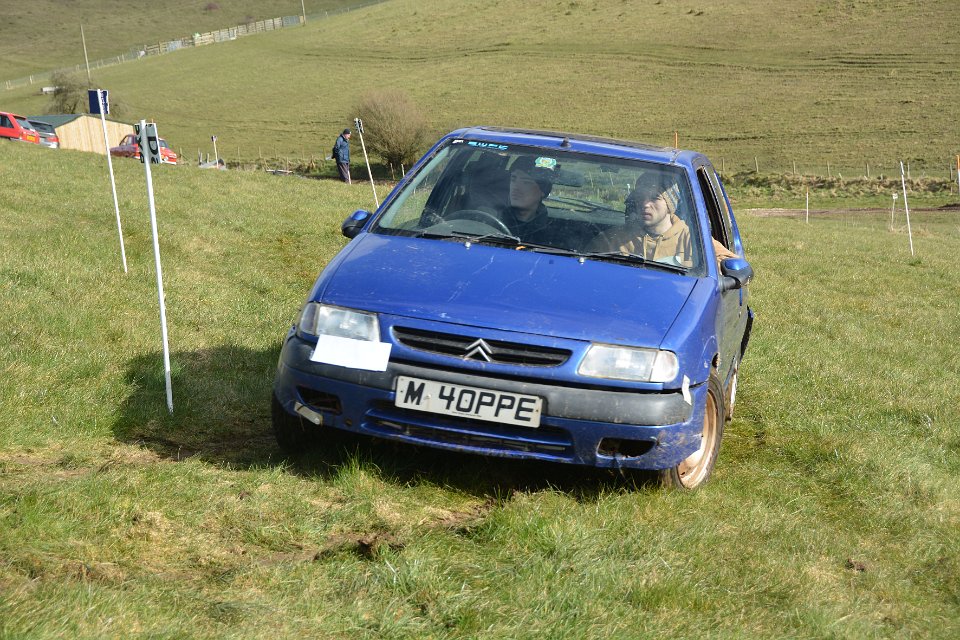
<point x="37" y="36"/>
<point x="754" y="84"/>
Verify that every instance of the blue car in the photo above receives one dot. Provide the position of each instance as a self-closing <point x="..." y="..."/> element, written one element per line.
<point x="532" y="295"/>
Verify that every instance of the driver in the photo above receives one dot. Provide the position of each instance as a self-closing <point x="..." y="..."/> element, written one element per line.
<point x="531" y="180"/>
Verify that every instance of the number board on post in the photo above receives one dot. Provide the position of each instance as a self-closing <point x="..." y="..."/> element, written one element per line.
<point x="148" y="139"/>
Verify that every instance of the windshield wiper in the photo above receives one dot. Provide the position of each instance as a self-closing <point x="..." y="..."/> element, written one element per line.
<point x="521" y="245"/>
<point x="506" y="240"/>
<point x="423" y="233"/>
<point x="492" y="238"/>
<point x="632" y="258"/>
<point x="547" y="248"/>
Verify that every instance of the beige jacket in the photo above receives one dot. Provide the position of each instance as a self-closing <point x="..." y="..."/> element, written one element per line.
<point x="674" y="243"/>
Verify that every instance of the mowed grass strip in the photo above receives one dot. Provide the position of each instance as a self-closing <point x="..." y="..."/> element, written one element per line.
<point x="834" y="510"/>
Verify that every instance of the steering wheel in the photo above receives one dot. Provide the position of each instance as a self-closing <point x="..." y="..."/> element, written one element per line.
<point x="478" y="215"/>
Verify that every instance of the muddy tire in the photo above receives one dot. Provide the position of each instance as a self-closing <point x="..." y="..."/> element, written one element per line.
<point x="293" y="433"/>
<point x="697" y="468"/>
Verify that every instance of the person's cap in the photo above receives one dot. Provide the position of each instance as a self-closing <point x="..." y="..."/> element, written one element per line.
<point x="346" y="132"/>
<point x="654" y="184"/>
<point x="541" y="169"/>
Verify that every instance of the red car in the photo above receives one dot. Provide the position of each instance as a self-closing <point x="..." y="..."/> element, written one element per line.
<point x="128" y="148"/>
<point x="16" y="127"/>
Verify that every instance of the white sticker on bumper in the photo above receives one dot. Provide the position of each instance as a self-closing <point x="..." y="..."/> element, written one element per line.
<point x="355" y="354"/>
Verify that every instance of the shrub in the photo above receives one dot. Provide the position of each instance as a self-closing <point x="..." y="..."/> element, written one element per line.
<point x="70" y="95"/>
<point x="393" y="126"/>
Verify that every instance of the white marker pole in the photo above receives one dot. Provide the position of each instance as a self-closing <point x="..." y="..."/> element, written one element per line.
<point x="113" y="182"/>
<point x="808" y="206"/>
<point x="359" y="125"/>
<point x="147" y="156"/>
<point x="906" y="207"/>
<point x="893" y="209"/>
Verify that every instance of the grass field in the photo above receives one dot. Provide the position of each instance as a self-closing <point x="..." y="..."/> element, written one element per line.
<point x="822" y="88"/>
<point x="834" y="510"/>
<point x="42" y="35"/>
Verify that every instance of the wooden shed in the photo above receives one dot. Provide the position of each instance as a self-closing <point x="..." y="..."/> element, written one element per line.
<point x="84" y="132"/>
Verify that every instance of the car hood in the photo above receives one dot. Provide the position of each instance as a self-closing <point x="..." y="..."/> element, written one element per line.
<point x="505" y="289"/>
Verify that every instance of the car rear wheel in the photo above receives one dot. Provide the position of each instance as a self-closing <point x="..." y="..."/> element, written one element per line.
<point x="696" y="468"/>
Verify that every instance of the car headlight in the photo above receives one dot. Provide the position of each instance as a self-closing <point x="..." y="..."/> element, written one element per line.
<point x="627" y="363"/>
<point x="323" y="320"/>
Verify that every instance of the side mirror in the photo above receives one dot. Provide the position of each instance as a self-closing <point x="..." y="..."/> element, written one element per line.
<point x="354" y="223"/>
<point x="736" y="273"/>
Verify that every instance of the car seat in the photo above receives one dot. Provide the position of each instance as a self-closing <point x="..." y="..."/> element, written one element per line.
<point x="487" y="184"/>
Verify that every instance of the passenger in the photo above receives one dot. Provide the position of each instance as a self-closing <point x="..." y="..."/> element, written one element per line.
<point x="531" y="180"/>
<point x="651" y="228"/>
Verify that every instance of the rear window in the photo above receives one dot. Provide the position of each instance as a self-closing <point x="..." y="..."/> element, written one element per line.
<point x="42" y="126"/>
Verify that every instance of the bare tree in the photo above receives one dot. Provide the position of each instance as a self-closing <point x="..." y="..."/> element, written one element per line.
<point x="393" y="126"/>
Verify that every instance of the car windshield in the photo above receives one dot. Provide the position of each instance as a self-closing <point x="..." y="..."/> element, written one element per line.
<point x="552" y="201"/>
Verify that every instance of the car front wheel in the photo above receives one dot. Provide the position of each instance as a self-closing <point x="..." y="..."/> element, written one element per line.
<point x="696" y="468"/>
<point x="293" y="433"/>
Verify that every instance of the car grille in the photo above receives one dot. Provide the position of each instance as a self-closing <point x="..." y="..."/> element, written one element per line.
<point x="483" y="350"/>
<point x="469" y="435"/>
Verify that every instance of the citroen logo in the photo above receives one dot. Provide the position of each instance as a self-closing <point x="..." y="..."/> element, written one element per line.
<point x="479" y="350"/>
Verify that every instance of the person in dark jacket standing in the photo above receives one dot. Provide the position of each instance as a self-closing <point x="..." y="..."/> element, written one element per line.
<point x="341" y="155"/>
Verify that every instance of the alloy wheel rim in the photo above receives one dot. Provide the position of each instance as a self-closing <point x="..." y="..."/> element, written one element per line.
<point x="694" y="469"/>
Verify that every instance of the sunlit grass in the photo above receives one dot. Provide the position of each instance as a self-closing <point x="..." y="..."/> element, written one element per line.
<point x="42" y="35"/>
<point x="834" y="509"/>
<point x="808" y="87"/>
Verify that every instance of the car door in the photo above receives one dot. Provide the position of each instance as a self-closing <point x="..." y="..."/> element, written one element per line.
<point x="732" y="318"/>
<point x="8" y="127"/>
<point x="124" y="148"/>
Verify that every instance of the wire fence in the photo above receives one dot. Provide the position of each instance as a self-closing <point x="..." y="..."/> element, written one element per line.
<point x="196" y="40"/>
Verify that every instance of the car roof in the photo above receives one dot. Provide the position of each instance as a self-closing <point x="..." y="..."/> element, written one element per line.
<point x="585" y="143"/>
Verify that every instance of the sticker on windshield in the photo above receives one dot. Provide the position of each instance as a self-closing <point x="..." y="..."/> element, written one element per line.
<point x="487" y="145"/>
<point x="545" y="163"/>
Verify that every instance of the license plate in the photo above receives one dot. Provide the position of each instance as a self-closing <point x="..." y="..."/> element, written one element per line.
<point x="468" y="402"/>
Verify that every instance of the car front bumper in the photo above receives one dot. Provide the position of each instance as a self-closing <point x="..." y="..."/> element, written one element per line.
<point x="579" y="425"/>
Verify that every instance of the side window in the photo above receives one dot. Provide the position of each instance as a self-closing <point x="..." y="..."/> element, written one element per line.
<point x="5" y="122"/>
<point x="724" y="202"/>
<point x="719" y="216"/>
